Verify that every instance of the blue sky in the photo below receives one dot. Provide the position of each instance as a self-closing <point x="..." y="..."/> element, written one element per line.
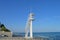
<point x="14" y="14"/>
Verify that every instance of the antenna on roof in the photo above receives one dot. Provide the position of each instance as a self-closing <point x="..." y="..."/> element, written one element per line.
<point x="31" y="10"/>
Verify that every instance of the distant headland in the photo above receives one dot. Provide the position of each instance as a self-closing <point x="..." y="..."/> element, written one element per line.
<point x="3" y="28"/>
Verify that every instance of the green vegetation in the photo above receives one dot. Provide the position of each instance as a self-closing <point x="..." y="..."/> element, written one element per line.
<point x="3" y="28"/>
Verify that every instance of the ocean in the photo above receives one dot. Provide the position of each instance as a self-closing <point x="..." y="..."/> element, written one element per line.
<point x="53" y="35"/>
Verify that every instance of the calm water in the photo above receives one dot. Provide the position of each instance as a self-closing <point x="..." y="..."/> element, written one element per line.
<point x="54" y="35"/>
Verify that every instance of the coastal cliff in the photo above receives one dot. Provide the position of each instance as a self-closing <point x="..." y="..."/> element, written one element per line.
<point x="4" y="32"/>
<point x="3" y="28"/>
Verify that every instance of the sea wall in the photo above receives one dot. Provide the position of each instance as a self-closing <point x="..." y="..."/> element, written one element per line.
<point x="21" y="38"/>
<point x="9" y="34"/>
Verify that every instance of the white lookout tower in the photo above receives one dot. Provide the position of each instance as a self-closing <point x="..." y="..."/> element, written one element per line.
<point x="29" y="26"/>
